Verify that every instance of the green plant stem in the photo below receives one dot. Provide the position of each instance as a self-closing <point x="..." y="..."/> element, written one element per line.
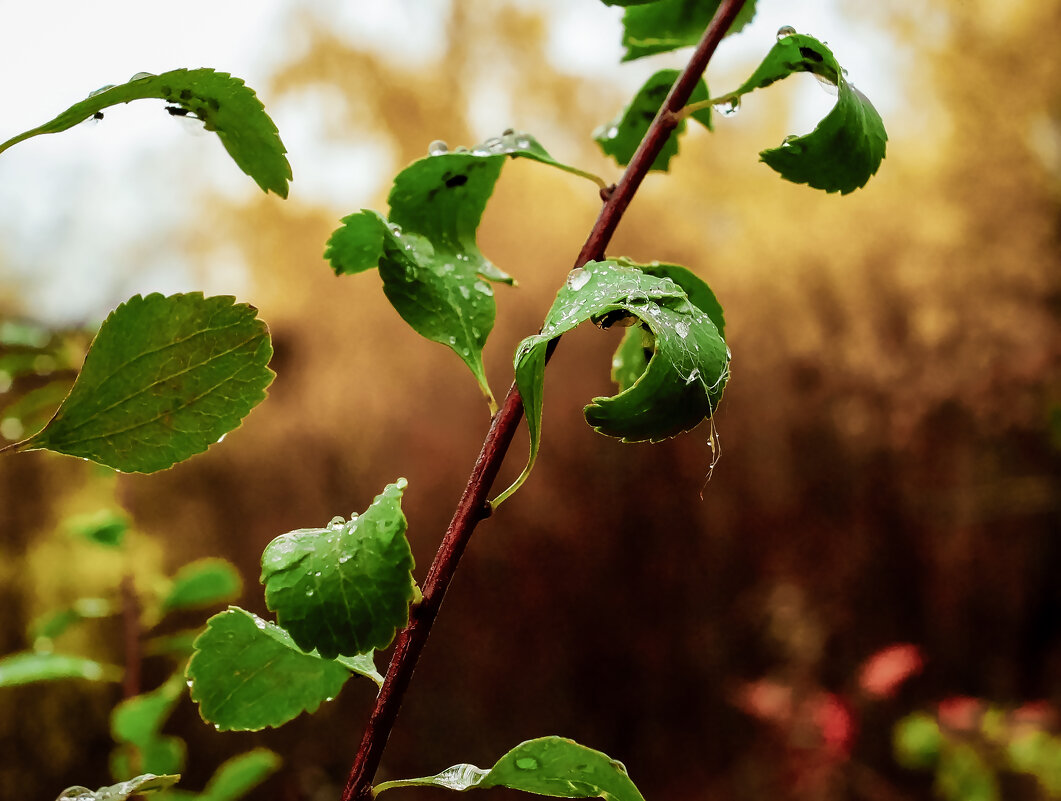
<point x="474" y="505"/>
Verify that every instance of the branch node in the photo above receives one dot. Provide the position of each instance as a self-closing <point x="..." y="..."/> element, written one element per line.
<point x="606" y="192"/>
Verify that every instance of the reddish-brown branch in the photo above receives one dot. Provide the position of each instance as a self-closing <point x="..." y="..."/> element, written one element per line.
<point x="473" y="505"/>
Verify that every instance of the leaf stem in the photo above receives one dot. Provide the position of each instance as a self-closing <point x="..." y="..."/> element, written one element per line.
<point x="473" y="505"/>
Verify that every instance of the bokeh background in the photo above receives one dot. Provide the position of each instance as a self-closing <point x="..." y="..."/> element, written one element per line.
<point x="890" y="436"/>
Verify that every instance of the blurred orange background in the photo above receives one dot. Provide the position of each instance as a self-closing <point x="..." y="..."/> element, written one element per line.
<point x="890" y="435"/>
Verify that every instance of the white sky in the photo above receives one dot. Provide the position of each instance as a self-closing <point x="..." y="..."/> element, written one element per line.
<point x="73" y="205"/>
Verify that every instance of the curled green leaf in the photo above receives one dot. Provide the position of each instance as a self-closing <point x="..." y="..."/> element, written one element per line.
<point x="681" y="382"/>
<point x="553" y="766"/>
<point x="671" y="24"/>
<point x="343" y="589"/>
<point x="434" y="274"/>
<point x="224" y="104"/>
<point x="247" y="673"/>
<point x="846" y="148"/>
<point x="621" y="137"/>
<point x="165" y="378"/>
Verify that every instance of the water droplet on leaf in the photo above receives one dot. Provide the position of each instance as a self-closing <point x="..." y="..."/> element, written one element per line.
<point x="784" y="32"/>
<point x="140" y="75"/>
<point x="577" y="278"/>
<point x="728" y="106"/>
<point x="437" y="148"/>
<point x="484" y="288"/>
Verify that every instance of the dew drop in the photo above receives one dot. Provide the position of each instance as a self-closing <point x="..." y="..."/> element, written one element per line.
<point x="483" y="288"/>
<point x="344" y="558"/>
<point x="401" y="483"/>
<point x="437" y="148"/>
<point x="317" y="574"/>
<point x="101" y="90"/>
<point x="729" y="353"/>
<point x="465" y="292"/>
<point x="309" y="593"/>
<point x="336" y="522"/>
<point x="396" y="229"/>
<point x="140" y="75"/>
<point x="827" y="86"/>
<point x="728" y="106"/>
<point x="784" y="32"/>
<point x="453" y="340"/>
<point x="682" y="328"/>
<point x="577" y="278"/>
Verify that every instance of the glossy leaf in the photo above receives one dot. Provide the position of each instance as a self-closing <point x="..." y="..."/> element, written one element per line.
<point x="225" y="105"/>
<point x="344" y="589"/>
<point x="621" y="137"/>
<point x="141" y="785"/>
<point x="433" y="272"/>
<point x="846" y="148"/>
<point x="202" y="583"/>
<point x="671" y="24"/>
<point x="165" y="378"/>
<point x="247" y="673"/>
<point x="552" y="766"/>
<point x="683" y="380"/>
<point x="28" y="667"/>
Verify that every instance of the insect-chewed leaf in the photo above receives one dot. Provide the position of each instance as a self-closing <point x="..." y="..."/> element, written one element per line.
<point x="225" y="105"/>
<point x="344" y="589"/>
<point x="846" y="148"/>
<point x="671" y="24"/>
<point x="165" y="378"/>
<point x="247" y="673"/>
<point x="148" y="783"/>
<point x="433" y="272"/>
<point x="620" y="137"/>
<point x="553" y="766"/>
<point x="680" y="385"/>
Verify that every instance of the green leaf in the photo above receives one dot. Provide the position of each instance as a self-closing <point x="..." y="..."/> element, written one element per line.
<point x="628" y="2"/>
<point x="52" y="624"/>
<point x="202" y="583"/>
<point x="137" y="720"/>
<point x="631" y="359"/>
<point x="247" y="673"/>
<point x="224" y="104"/>
<point x="106" y="527"/>
<point x="148" y="783"/>
<point x="433" y="272"/>
<point x="846" y="148"/>
<point x="28" y="667"/>
<point x="164" y="379"/>
<point x="683" y="380"/>
<point x="552" y="766"/>
<point x="344" y="589"/>
<point x="671" y="24"/>
<point x="162" y="754"/>
<point x="239" y="775"/>
<point x="621" y="137"/>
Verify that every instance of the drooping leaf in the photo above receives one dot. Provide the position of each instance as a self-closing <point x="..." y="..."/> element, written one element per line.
<point x="344" y="589"/>
<point x="247" y="673"/>
<point x="433" y="272"/>
<point x="552" y="766"/>
<point x="239" y="775"/>
<point x="671" y="24"/>
<point x="621" y="137"/>
<point x="165" y="378"/>
<point x="50" y="625"/>
<point x="27" y="667"/>
<point x="224" y="104"/>
<point x="202" y="583"/>
<point x="844" y="151"/>
<point x="679" y="387"/>
<point x="148" y="783"/>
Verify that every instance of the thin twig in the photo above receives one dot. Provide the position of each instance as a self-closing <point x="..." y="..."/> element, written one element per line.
<point x="473" y="505"/>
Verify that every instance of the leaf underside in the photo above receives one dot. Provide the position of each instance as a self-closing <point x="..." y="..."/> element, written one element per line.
<point x="846" y="148"/>
<point x="552" y="766"/>
<point x="225" y="105"/>
<point x="683" y="379"/>
<point x="671" y="24"/>
<point x="164" y="379"/>
<point x="620" y="137"/>
<point x="247" y="674"/>
<point x="344" y="589"/>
